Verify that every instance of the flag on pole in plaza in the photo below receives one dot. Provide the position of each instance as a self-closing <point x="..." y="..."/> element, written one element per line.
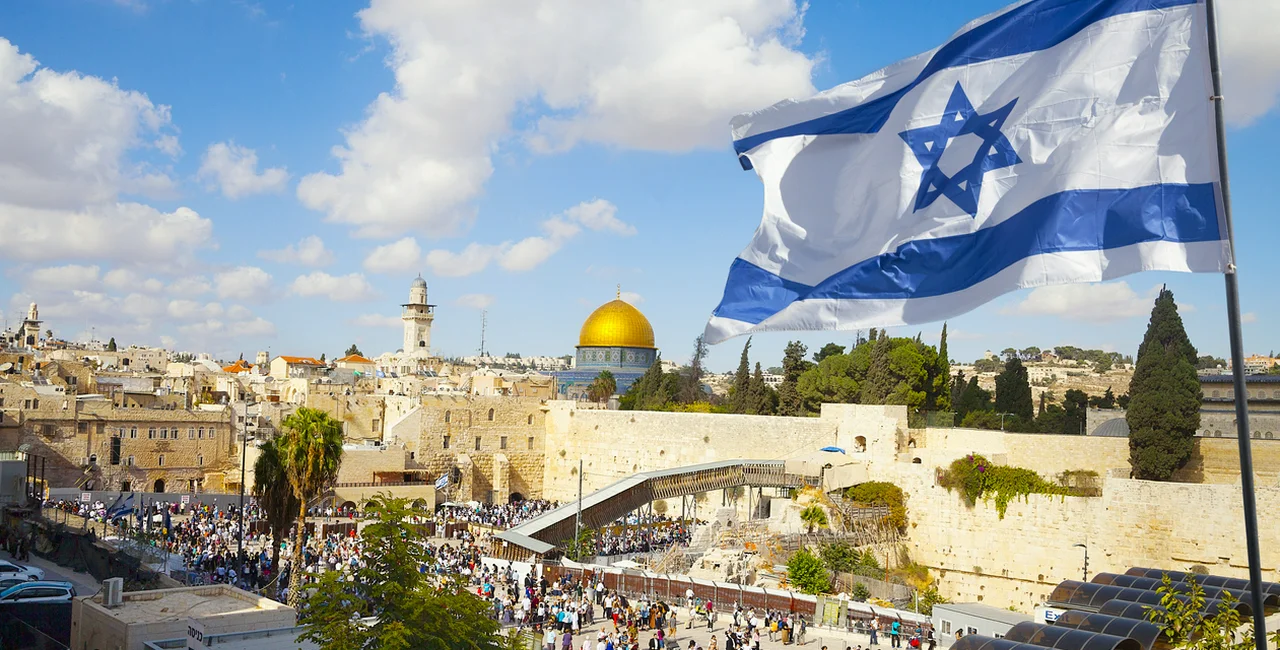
<point x="443" y="481"/>
<point x="1052" y="142"/>
<point x="121" y="507"/>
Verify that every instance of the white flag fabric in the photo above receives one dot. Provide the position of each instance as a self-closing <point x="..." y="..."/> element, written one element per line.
<point x="1052" y="142"/>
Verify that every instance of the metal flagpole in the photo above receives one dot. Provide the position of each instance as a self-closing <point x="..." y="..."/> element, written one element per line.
<point x="1237" y="349"/>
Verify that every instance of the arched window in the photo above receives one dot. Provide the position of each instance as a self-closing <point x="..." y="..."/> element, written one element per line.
<point x="448" y="416"/>
<point x="422" y="344"/>
<point x="530" y="418"/>
<point x="491" y="415"/>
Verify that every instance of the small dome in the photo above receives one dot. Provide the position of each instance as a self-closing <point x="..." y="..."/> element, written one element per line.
<point x="616" y="324"/>
<point x="418" y="283"/>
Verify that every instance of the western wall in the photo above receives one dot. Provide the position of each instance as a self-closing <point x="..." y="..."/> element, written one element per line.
<point x="976" y="555"/>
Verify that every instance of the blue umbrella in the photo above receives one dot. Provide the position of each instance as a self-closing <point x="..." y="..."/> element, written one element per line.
<point x="835" y="449"/>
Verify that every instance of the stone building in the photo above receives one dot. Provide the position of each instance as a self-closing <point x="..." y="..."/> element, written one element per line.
<point x="616" y="337"/>
<point x="94" y="443"/>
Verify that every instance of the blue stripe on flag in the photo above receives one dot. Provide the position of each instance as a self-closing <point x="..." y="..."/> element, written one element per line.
<point x="1036" y="25"/>
<point x="1075" y="220"/>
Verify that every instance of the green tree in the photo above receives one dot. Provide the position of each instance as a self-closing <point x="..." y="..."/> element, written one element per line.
<point x="1013" y="391"/>
<point x="1031" y="353"/>
<point x="602" y="387"/>
<point x="940" y="395"/>
<point x="1075" y="407"/>
<point x="353" y="350"/>
<point x="387" y="603"/>
<point x="1164" y="404"/>
<point x="828" y="350"/>
<point x="958" y="384"/>
<point x="111" y="345"/>
<point x="274" y="494"/>
<point x="311" y="452"/>
<point x="833" y="380"/>
<point x="1103" y="365"/>
<point x="1187" y="624"/>
<point x="740" y="392"/>
<point x="764" y="399"/>
<point x="691" y="389"/>
<point x="813" y="516"/>
<point x="651" y="392"/>
<point x="793" y="366"/>
<point x="1009" y="354"/>
<point x="880" y="493"/>
<point x="973" y="398"/>
<point x="860" y="592"/>
<point x="840" y="557"/>
<point x="321" y="357"/>
<point x="805" y="571"/>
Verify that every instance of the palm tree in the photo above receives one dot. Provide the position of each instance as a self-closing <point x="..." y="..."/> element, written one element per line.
<point x="603" y="387"/>
<point x="814" y="515"/>
<point x="275" y="495"/>
<point x="311" y="451"/>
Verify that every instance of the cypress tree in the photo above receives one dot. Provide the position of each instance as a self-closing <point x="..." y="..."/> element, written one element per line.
<point x="761" y="394"/>
<point x="957" y="389"/>
<point x="1164" y="396"/>
<point x="972" y="398"/>
<point x="740" y="398"/>
<point x="880" y="380"/>
<point x="1013" y="391"/>
<point x="941" y="392"/>
<point x="793" y="365"/>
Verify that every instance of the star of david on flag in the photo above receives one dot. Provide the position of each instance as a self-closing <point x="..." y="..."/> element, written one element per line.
<point x="959" y="119"/>
<point x="1051" y="142"/>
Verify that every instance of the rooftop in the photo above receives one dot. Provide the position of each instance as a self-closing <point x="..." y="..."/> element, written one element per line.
<point x="301" y="361"/>
<point x="982" y="611"/>
<point x="180" y="604"/>
<point x="1249" y="379"/>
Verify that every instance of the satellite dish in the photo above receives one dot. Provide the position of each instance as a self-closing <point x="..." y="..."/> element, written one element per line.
<point x="268" y="379"/>
<point x="6" y="367"/>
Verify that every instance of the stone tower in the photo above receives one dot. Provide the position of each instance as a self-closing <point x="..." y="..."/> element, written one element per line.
<point x="417" y="317"/>
<point x="31" y="327"/>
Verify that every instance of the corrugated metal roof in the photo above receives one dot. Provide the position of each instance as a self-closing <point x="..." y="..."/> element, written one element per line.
<point x="982" y="611"/>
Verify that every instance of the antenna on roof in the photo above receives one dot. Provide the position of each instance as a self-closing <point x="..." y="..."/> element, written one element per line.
<point x="484" y="323"/>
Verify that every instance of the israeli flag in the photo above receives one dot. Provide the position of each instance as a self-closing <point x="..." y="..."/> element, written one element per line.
<point x="443" y="481"/>
<point x="1052" y="142"/>
<point x="120" y="507"/>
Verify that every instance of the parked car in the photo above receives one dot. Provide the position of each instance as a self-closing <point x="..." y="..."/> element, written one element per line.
<point x="11" y="570"/>
<point x="5" y="583"/>
<point x="38" y="591"/>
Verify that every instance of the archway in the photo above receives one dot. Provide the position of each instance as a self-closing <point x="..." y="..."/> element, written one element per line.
<point x="159" y="486"/>
<point x="515" y="497"/>
<point x="860" y="443"/>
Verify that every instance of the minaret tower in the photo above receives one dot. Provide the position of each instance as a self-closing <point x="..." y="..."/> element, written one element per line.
<point x="417" y="317"/>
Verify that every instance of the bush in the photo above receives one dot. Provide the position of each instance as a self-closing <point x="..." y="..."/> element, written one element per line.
<point x="860" y="592"/>
<point x="806" y="573"/>
<point x="880" y="493"/>
<point x="840" y="557"/>
<point x="978" y="478"/>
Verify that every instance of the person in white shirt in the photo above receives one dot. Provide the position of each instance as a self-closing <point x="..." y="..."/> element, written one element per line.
<point x="549" y="638"/>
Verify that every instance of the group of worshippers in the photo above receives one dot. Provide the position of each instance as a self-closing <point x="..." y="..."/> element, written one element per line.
<point x="503" y="515"/>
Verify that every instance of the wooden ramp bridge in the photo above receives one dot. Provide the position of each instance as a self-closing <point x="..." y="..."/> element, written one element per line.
<point x="544" y="534"/>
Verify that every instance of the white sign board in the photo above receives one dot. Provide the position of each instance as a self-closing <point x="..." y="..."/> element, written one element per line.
<point x="186" y="498"/>
<point x="195" y="635"/>
<point x="85" y="497"/>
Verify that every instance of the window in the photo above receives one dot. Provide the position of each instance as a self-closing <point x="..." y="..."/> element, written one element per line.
<point x="191" y="433"/>
<point x="412" y="455"/>
<point x="125" y="485"/>
<point x="200" y="460"/>
<point x="375" y="425"/>
<point x="530" y="442"/>
<point x="93" y="459"/>
<point x="35" y="403"/>
<point x="130" y="462"/>
<point x="160" y="460"/>
<point x="491" y="415"/>
<point x="133" y="432"/>
<point x="477" y="443"/>
<point x="448" y="415"/>
<point x="446" y="442"/>
<point x="972" y="630"/>
<point x="946" y="627"/>
<point x="530" y="418"/>
<point x="115" y="450"/>
<point x="1217" y="393"/>
<point x="164" y="433"/>
<point x="26" y="404"/>
<point x="151" y="432"/>
<point x="211" y="433"/>
<point x="1" y="402"/>
<point x="82" y="426"/>
<point x="200" y="433"/>
<point x="502" y="442"/>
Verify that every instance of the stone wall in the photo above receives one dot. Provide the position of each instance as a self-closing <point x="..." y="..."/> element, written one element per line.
<point x="616" y="444"/>
<point x="480" y="429"/>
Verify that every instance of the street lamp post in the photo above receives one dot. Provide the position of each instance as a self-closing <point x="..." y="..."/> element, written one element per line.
<point x="1086" y="560"/>
<point x="1002" y="420"/>
<point x="244" y="447"/>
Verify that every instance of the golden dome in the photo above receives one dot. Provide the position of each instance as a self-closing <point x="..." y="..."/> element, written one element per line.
<point x="616" y="324"/>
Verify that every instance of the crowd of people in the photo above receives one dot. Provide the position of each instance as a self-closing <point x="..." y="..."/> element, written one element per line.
<point x="641" y="538"/>
<point x="497" y="515"/>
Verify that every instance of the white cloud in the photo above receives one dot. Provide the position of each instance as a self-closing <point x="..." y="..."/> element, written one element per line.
<point x="1250" y="58"/>
<point x="631" y="297"/>
<point x="1091" y="303"/>
<point x="661" y="75"/>
<point x="130" y="280"/>
<point x="191" y="310"/>
<point x="377" y="320"/>
<point x="1249" y="317"/>
<point x="599" y="214"/>
<point x="190" y="286"/>
<point x="401" y="256"/>
<point x="168" y="145"/>
<point x="339" y="288"/>
<point x="63" y="278"/>
<point x="475" y="300"/>
<point x="233" y="170"/>
<point x="66" y="159"/>
<point x="530" y="252"/>
<point x="243" y="283"/>
<point x="310" y="251"/>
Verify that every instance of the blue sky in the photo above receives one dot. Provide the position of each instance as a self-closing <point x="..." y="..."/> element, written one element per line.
<point x="231" y="176"/>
